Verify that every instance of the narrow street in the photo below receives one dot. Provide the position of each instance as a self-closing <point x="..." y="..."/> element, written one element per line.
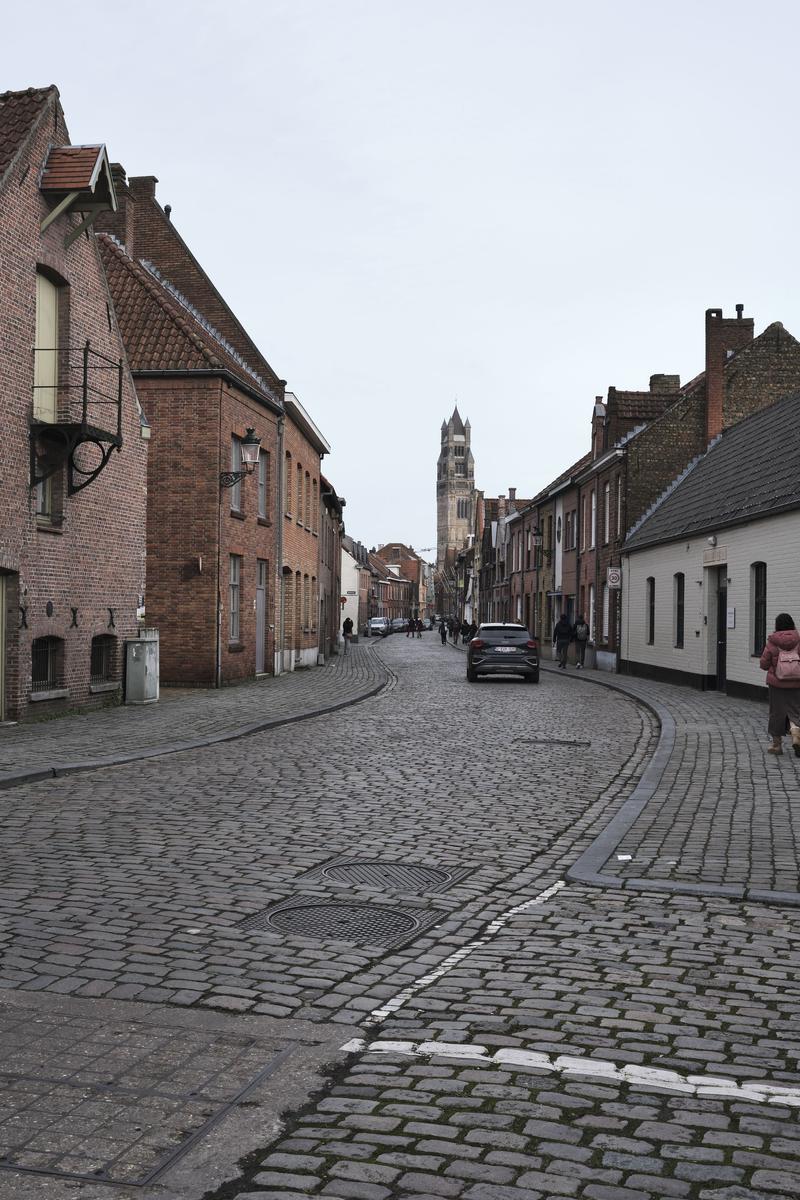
<point x="442" y="1004"/>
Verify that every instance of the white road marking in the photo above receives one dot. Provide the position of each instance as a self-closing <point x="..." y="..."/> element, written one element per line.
<point x="385" y="1010"/>
<point x="712" y="1086"/>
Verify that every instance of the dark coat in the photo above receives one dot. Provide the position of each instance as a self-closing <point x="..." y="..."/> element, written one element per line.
<point x="563" y="631"/>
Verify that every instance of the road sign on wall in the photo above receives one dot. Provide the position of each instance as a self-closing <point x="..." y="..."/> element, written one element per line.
<point x="614" y="577"/>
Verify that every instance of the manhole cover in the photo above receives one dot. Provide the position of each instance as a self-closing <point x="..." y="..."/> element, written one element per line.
<point x="526" y="741"/>
<point x="402" y="876"/>
<point x="370" y="924"/>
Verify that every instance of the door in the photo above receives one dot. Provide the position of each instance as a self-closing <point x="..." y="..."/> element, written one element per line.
<point x="45" y="358"/>
<point x="261" y="616"/>
<point x="2" y="648"/>
<point x="722" y="627"/>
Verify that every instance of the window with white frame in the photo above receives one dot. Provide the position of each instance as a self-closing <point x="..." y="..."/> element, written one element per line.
<point x="606" y="513"/>
<point x="606" y="610"/>
<point x="591" y="610"/>
<point x="593" y="525"/>
<point x="650" y="615"/>
<point x="619" y="505"/>
<point x="234" y="596"/>
<point x="263" y="484"/>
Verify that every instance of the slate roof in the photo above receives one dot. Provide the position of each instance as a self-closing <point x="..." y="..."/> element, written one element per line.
<point x="159" y="333"/>
<point x="752" y="470"/>
<point x="18" y="113"/>
<point x="562" y="478"/>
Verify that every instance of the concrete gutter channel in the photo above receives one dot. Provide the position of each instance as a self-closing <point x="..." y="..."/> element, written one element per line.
<point x="11" y="779"/>
<point x="587" y="868"/>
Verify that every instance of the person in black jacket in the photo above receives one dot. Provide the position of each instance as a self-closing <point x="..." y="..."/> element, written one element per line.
<point x="563" y="634"/>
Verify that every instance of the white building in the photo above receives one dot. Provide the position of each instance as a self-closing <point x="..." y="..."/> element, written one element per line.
<point x="708" y="568"/>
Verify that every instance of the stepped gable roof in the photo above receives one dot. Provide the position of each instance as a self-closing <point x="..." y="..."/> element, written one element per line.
<point x="19" y="112"/>
<point x="158" y="331"/>
<point x="749" y="471"/>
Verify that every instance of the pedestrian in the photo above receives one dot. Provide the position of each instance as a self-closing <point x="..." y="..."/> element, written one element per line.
<point x="410" y="627"/>
<point x="455" y="630"/>
<point x="443" y="631"/>
<point x="781" y="661"/>
<point x="563" y="633"/>
<point x="419" y="627"/>
<point x="347" y="631"/>
<point x="473" y="631"/>
<point x="581" y="640"/>
<point x="465" y="627"/>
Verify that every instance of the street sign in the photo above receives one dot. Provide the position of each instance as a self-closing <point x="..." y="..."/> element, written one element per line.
<point x="614" y="577"/>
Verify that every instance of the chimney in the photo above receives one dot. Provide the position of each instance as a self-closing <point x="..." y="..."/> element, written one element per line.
<point x="143" y="186"/>
<point x="120" y="223"/>
<point x="664" y="385"/>
<point x="512" y="495"/>
<point x="724" y="336"/>
<point x="599" y="425"/>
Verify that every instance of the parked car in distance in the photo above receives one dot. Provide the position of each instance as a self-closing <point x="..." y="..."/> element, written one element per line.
<point x="379" y="627"/>
<point x="399" y="624"/>
<point x="503" y="649"/>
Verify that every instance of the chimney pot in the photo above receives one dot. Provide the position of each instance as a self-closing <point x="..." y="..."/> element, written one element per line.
<point x="168" y="211"/>
<point x="512" y="493"/>
<point x="739" y="311"/>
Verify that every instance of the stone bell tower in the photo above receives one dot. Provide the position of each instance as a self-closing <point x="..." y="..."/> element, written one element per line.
<point x="455" y="488"/>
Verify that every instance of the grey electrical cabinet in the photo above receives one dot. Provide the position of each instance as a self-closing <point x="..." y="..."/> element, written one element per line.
<point x="141" y="668"/>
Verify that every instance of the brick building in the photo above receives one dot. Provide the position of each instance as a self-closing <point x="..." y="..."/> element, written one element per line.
<point x="409" y="566"/>
<point x="233" y="580"/>
<point x="74" y="455"/>
<point x="330" y="568"/>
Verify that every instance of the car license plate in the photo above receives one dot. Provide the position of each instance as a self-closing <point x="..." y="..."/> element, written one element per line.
<point x="505" y="649"/>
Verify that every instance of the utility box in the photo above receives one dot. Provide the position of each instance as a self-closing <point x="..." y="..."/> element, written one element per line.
<point x="141" y="668"/>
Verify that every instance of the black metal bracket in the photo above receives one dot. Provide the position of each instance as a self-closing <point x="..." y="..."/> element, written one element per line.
<point x="53" y="444"/>
<point x="229" y="478"/>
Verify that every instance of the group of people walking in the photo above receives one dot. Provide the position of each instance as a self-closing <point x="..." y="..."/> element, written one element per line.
<point x="564" y="633"/>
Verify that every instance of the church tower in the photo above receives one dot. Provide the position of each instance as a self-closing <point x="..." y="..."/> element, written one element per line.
<point x="455" y="487"/>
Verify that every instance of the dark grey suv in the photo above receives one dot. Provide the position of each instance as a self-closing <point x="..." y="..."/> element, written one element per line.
<point x="503" y="650"/>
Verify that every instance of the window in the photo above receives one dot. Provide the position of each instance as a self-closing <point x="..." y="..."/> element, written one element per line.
<point x="605" y="609"/>
<point x="315" y="506"/>
<point x="679" y="592"/>
<point x="263" y="484"/>
<point x="236" y="465"/>
<point x="45" y="353"/>
<point x="593" y="526"/>
<point x="101" y="668"/>
<point x="234" y="596"/>
<point x="309" y="517"/>
<point x="45" y="663"/>
<point x="651" y="610"/>
<point x="606" y="513"/>
<point x="591" y="610"/>
<point x="758" y="606"/>
<point x="44" y="500"/>
<point x="299" y="495"/>
<point x="458" y="451"/>
<point x="314" y="602"/>
<point x="461" y="468"/>
<point x="619" y="505"/>
<point x="306" y="603"/>
<point x="584" y="522"/>
<point x="287" y="485"/>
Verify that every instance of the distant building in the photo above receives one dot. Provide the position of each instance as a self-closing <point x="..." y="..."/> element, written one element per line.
<point x="455" y="498"/>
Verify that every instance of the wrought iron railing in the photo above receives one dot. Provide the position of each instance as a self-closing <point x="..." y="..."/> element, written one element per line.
<point x="84" y="387"/>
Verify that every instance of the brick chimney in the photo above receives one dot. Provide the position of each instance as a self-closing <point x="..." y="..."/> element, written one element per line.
<point x="599" y="426"/>
<point x="724" y="336"/>
<point x="120" y="223"/>
<point x="664" y="385"/>
<point x="512" y="496"/>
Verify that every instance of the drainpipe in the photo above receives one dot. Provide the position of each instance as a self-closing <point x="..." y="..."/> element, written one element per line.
<point x="218" y="656"/>
<point x="279" y="549"/>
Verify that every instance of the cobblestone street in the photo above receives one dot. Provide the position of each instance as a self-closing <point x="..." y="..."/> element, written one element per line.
<point x="469" y="983"/>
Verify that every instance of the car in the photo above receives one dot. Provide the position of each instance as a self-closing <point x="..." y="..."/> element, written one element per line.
<point x="379" y="627"/>
<point x="399" y="624"/>
<point x="503" y="649"/>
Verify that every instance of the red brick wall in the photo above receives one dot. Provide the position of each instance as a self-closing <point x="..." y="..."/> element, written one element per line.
<point x="193" y="421"/>
<point x="301" y="540"/>
<point x="95" y="560"/>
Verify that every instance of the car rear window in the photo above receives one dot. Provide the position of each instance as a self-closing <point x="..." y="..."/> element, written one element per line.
<point x="503" y="633"/>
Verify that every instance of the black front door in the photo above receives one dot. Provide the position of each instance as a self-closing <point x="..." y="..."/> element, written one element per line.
<point x="722" y="626"/>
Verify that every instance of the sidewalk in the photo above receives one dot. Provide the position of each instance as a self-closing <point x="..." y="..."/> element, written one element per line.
<point x="184" y="719"/>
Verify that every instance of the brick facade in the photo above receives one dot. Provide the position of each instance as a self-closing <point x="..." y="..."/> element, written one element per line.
<point x="77" y="572"/>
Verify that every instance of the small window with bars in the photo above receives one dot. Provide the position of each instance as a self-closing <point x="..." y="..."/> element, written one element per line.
<point x="103" y="659"/>
<point x="45" y="663"/>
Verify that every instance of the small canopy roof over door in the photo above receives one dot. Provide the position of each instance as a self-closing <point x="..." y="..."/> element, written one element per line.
<point x="79" y="179"/>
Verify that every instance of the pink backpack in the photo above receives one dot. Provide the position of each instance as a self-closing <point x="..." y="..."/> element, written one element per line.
<point x="788" y="665"/>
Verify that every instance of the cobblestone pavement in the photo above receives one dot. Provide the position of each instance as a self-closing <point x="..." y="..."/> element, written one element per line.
<point x="184" y="716"/>
<point x="588" y="1042"/>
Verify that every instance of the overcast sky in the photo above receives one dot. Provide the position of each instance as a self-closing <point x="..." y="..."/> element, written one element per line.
<point x="515" y="204"/>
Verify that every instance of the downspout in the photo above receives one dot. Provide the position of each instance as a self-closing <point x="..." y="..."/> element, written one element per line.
<point x="279" y="550"/>
<point x="218" y="656"/>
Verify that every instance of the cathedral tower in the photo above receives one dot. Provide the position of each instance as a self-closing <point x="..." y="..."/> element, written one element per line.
<point x="455" y="487"/>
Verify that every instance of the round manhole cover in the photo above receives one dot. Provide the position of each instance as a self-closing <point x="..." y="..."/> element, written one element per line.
<point x="401" y="876"/>
<point x="344" y="922"/>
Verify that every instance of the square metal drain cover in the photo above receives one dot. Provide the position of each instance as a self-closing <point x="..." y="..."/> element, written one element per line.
<point x="119" y="1102"/>
<point x="388" y="876"/>
<point x="326" y="921"/>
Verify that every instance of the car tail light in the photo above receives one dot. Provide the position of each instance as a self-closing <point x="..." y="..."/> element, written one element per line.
<point x="477" y="644"/>
<point x="532" y="644"/>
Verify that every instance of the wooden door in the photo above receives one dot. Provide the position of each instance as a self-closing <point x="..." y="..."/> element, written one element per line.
<point x="45" y="364"/>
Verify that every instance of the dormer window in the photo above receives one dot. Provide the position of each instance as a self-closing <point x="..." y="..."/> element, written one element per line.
<point x="78" y="179"/>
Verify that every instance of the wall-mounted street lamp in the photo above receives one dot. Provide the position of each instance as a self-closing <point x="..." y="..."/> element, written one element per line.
<point x="249" y="448"/>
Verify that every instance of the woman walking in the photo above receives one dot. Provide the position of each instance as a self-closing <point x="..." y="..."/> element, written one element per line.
<point x="781" y="661"/>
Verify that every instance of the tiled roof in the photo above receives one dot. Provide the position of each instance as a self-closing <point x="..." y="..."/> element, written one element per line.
<point x="562" y="478"/>
<point x="750" y="471"/>
<point x="644" y="406"/>
<point x="158" y="332"/>
<point x="18" y="112"/>
<point x="73" y="168"/>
